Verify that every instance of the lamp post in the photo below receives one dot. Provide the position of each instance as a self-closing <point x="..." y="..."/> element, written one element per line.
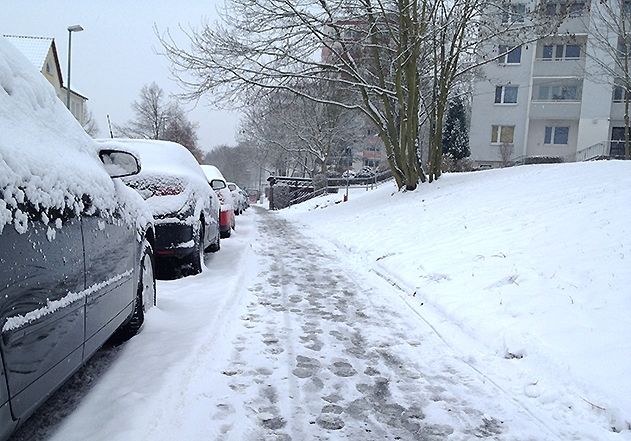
<point x="71" y="29"/>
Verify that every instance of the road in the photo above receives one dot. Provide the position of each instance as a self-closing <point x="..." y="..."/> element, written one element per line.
<point x="281" y="340"/>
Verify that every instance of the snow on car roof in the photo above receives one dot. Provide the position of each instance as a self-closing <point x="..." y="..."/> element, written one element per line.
<point x="159" y="157"/>
<point x="212" y="172"/>
<point x="40" y="142"/>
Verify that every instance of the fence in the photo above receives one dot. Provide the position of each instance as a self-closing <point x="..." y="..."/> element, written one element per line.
<point x="286" y="191"/>
<point x="600" y="150"/>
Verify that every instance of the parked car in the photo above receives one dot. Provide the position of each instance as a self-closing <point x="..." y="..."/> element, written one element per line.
<point x="76" y="259"/>
<point x="246" y="199"/>
<point x="218" y="183"/>
<point x="184" y="207"/>
<point x="238" y="197"/>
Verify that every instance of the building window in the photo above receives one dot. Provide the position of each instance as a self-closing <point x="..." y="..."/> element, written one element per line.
<point x="556" y="135"/>
<point x="515" y="13"/>
<point x="506" y="94"/>
<point x="557" y="91"/>
<point x="572" y="9"/>
<point x="619" y="94"/>
<point x="561" y="52"/>
<point x="510" y="54"/>
<point x="502" y="134"/>
<point x="576" y="9"/>
<point x="48" y="68"/>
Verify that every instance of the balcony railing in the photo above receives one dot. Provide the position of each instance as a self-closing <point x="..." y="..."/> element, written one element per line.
<point x="600" y="150"/>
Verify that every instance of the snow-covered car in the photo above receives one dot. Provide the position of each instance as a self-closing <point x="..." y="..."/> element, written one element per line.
<point x="238" y="197"/>
<point x="175" y="188"/>
<point x="246" y="199"/>
<point x="365" y="175"/>
<point x="218" y="183"/>
<point x="76" y="260"/>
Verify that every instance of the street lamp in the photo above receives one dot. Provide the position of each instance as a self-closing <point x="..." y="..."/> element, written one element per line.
<point x="71" y="29"/>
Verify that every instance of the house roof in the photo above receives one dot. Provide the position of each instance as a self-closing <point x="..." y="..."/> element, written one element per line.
<point x="74" y="92"/>
<point x="35" y="49"/>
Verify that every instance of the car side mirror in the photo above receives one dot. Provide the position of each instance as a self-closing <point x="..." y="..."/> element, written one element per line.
<point x="119" y="163"/>
<point x="217" y="184"/>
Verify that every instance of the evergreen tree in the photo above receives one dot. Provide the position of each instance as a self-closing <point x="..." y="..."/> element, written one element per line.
<point x="455" y="131"/>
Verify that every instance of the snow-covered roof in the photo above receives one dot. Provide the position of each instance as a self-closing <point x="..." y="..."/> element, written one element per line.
<point x="35" y="49"/>
<point x="212" y="172"/>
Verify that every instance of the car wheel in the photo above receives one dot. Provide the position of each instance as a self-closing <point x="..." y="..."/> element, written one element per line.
<point x="197" y="256"/>
<point x="145" y="297"/>
<point x="214" y="247"/>
<point x="225" y="234"/>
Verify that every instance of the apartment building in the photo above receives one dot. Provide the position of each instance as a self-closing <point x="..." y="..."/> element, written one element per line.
<point x="550" y="99"/>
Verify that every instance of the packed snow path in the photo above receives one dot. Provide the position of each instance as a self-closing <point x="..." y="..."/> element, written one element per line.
<point x="320" y="355"/>
<point x="294" y="345"/>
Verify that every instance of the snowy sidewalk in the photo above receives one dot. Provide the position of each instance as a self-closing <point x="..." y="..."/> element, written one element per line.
<point x="320" y="355"/>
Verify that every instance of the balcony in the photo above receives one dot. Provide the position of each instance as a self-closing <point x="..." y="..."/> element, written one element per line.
<point x="560" y="68"/>
<point x="563" y="110"/>
<point x="574" y="25"/>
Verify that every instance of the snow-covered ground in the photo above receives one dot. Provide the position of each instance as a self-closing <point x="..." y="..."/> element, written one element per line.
<point x="137" y="391"/>
<point x="488" y="305"/>
<point x="525" y="272"/>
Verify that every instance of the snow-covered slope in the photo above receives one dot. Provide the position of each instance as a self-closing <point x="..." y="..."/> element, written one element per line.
<point x="527" y="271"/>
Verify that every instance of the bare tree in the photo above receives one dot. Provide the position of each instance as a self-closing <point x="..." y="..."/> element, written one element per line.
<point x="309" y="135"/>
<point x="399" y="60"/>
<point x="237" y="163"/>
<point x="180" y="129"/>
<point x="157" y="118"/>
<point x="262" y="129"/>
<point x="89" y="124"/>
<point x="506" y="154"/>
<point x="152" y="112"/>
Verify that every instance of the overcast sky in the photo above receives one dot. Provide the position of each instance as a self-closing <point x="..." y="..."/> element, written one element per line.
<point x="116" y="54"/>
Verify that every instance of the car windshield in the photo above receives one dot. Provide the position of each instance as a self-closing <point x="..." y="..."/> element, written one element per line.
<point x="156" y="185"/>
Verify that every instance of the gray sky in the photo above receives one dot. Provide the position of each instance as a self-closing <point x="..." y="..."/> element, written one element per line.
<point x="117" y="53"/>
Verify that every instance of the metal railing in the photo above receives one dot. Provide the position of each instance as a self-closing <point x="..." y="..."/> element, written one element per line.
<point x="600" y="150"/>
<point x="286" y="191"/>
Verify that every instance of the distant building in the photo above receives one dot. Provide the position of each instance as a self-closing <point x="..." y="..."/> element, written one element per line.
<point x="42" y="53"/>
<point x="369" y="151"/>
<point x="538" y="102"/>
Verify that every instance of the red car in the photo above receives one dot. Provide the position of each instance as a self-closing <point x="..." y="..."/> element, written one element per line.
<point x="227" y="203"/>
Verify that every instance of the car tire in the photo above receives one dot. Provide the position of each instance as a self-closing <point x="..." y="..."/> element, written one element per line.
<point x="214" y="247"/>
<point x="196" y="261"/>
<point x="145" y="297"/>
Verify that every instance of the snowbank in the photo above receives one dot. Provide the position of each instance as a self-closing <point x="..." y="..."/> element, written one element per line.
<point x="46" y="158"/>
<point x="526" y="270"/>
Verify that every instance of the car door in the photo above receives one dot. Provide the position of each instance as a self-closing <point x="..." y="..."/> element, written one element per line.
<point x="7" y="423"/>
<point x="111" y="256"/>
<point x="42" y="307"/>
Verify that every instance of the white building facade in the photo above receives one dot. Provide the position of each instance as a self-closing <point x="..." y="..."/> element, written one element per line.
<point x="548" y="101"/>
